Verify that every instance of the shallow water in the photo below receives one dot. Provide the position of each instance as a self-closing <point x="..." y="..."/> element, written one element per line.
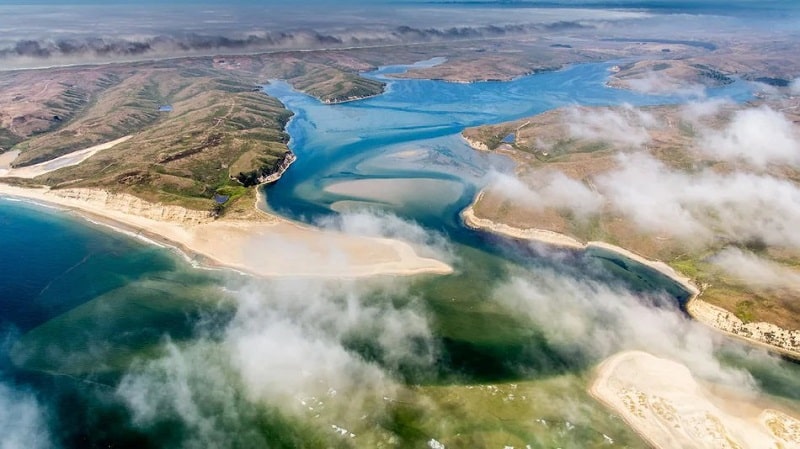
<point x="413" y="131"/>
<point x="83" y="306"/>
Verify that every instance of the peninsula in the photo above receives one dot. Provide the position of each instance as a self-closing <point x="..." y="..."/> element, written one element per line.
<point x="599" y="174"/>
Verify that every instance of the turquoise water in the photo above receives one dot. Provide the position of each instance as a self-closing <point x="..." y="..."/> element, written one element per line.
<point x="371" y="138"/>
<point x="80" y="304"/>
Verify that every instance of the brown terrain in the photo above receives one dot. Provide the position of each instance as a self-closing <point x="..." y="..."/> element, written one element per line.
<point x="545" y="144"/>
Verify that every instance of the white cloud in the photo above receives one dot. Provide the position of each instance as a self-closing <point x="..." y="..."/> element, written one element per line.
<point x="623" y="126"/>
<point x="758" y="272"/>
<point x="655" y="83"/>
<point x="23" y="420"/>
<point x="289" y="341"/>
<point x="759" y="136"/>
<point x="547" y="190"/>
<point x="589" y="319"/>
<point x="374" y="223"/>
<point x="697" y="110"/>
<point x="700" y="206"/>
<point x="794" y="87"/>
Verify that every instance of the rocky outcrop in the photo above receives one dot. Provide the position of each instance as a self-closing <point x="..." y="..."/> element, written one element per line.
<point x="267" y="174"/>
<point x="283" y="165"/>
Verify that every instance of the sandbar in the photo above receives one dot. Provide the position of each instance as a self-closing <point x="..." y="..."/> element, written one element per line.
<point x="67" y="160"/>
<point x="668" y="407"/>
<point x="399" y="191"/>
<point x="268" y="247"/>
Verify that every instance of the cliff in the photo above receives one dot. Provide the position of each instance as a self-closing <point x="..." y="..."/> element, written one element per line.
<point x="131" y="205"/>
<point x="287" y="160"/>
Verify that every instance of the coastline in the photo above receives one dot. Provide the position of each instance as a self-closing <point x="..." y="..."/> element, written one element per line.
<point x="662" y="402"/>
<point x="475" y="145"/>
<point x="353" y="98"/>
<point x="721" y="320"/>
<point x="269" y="247"/>
<point x="289" y="159"/>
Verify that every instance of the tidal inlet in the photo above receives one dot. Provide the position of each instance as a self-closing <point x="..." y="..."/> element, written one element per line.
<point x="396" y="224"/>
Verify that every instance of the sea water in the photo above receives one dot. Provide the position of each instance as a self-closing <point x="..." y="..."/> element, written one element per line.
<point x="81" y="303"/>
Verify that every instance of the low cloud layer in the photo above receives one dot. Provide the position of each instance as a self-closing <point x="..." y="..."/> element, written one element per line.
<point x="794" y="88"/>
<point x="624" y="126"/>
<point x="297" y="348"/>
<point x="93" y="48"/>
<point x="593" y="320"/>
<point x="745" y="205"/>
<point x="701" y="206"/>
<point x="23" y="420"/>
<point x="654" y="83"/>
<point x="374" y="223"/>
<point x="544" y="190"/>
<point x="755" y="271"/>
<point x="759" y="136"/>
<point x="695" y="111"/>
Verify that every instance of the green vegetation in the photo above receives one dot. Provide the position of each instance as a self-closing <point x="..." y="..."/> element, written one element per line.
<point x="222" y="128"/>
<point x="218" y="124"/>
<point x="330" y="84"/>
<point x="744" y="311"/>
<point x="713" y="74"/>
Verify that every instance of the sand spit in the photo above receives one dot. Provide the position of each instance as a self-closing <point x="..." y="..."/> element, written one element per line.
<point x="67" y="160"/>
<point x="766" y="335"/>
<point x="269" y="247"/>
<point x="664" y="403"/>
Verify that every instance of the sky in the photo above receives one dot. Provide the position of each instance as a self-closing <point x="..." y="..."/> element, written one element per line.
<point x="48" y="20"/>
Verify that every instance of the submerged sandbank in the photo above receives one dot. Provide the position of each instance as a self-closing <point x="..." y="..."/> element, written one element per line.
<point x="398" y="191"/>
<point x="664" y="403"/>
<point x="268" y="247"/>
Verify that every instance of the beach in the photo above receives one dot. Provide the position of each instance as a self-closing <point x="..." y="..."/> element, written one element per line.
<point x="268" y="247"/>
<point x="766" y="335"/>
<point x="539" y="235"/>
<point x="663" y="402"/>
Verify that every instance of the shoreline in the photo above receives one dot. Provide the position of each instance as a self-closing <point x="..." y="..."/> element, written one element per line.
<point x="701" y="311"/>
<point x="352" y="99"/>
<point x="290" y="158"/>
<point x="271" y="247"/>
<point x="663" y="402"/>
